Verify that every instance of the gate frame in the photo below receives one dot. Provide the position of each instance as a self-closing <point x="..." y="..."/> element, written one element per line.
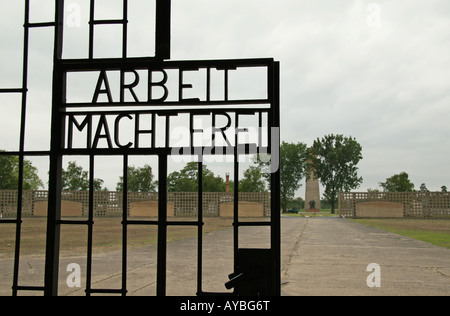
<point x="58" y="151"/>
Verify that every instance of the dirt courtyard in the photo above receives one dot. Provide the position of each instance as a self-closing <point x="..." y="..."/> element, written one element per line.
<point x="319" y="256"/>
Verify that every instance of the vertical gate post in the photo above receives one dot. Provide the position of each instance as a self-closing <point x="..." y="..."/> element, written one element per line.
<point x="162" y="227"/>
<point x="57" y="143"/>
<point x="163" y="27"/>
<point x="275" y="182"/>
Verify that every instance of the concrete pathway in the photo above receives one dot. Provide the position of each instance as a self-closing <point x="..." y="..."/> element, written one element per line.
<point x="330" y="257"/>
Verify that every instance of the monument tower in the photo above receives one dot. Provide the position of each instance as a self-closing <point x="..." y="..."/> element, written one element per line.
<point x="312" y="191"/>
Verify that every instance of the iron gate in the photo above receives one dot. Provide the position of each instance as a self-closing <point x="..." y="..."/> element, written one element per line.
<point x="256" y="271"/>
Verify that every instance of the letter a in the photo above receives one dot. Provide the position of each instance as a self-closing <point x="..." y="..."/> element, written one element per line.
<point x="74" y="279"/>
<point x="374" y="279"/>
<point x="102" y="125"/>
<point x="98" y="90"/>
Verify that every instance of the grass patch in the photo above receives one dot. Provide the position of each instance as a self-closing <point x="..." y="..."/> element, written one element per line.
<point x="436" y="232"/>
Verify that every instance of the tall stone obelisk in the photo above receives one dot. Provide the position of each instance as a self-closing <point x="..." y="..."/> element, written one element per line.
<point x="312" y="192"/>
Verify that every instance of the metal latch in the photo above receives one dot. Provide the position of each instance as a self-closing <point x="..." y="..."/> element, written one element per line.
<point x="254" y="275"/>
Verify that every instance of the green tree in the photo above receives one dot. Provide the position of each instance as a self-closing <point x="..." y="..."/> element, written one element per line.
<point x="293" y="162"/>
<point x="186" y="180"/>
<point x="334" y="161"/>
<point x="74" y="178"/>
<point x="139" y="180"/>
<point x="253" y="181"/>
<point x="9" y="174"/>
<point x="296" y="203"/>
<point x="423" y="188"/>
<point x="398" y="183"/>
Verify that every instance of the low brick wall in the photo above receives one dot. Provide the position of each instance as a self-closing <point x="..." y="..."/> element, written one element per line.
<point x="68" y="209"/>
<point x="139" y="204"/>
<point x="246" y="209"/>
<point x="149" y="209"/>
<point x="379" y="209"/>
<point x="413" y="204"/>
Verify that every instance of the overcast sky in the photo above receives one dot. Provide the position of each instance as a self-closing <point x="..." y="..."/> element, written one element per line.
<point x="374" y="70"/>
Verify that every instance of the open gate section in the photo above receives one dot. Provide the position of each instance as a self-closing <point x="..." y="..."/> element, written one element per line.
<point x="161" y="148"/>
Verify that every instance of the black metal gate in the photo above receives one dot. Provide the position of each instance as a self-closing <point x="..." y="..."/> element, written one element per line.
<point x="256" y="271"/>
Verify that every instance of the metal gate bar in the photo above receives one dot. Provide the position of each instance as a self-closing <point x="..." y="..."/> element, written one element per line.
<point x="22" y="153"/>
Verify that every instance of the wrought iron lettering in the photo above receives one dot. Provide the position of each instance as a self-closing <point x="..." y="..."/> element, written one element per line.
<point x="168" y="83"/>
<point x="123" y="130"/>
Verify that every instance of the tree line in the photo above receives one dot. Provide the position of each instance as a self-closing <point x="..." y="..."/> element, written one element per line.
<point x="140" y="179"/>
<point x="401" y="183"/>
<point x="332" y="159"/>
